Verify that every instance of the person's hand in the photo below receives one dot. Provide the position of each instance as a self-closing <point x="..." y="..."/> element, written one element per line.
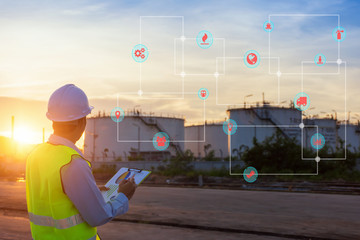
<point x="127" y="187"/>
<point x="103" y="188"/>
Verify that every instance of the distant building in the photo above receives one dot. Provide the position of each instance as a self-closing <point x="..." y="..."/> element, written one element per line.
<point x="201" y="139"/>
<point x="132" y="138"/>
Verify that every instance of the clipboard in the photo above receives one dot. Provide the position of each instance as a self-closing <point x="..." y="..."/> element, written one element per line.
<point x="123" y="173"/>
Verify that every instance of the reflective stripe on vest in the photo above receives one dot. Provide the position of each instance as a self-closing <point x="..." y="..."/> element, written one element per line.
<point x="57" y="223"/>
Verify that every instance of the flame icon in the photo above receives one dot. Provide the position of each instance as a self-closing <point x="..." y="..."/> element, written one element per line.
<point x="204" y="39"/>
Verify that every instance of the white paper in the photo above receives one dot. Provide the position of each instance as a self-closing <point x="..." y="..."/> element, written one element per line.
<point x="123" y="173"/>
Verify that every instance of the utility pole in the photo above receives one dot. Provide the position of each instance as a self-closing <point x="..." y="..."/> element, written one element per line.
<point x="250" y="95"/>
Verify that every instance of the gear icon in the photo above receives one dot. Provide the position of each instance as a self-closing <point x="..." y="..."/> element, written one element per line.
<point x="137" y="53"/>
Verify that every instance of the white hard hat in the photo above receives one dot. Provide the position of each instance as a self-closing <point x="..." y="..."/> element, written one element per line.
<point x="68" y="103"/>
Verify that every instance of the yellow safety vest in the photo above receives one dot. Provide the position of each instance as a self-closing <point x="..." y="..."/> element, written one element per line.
<point x="52" y="214"/>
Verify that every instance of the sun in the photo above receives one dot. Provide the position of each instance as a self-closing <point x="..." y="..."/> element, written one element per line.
<point x="25" y="134"/>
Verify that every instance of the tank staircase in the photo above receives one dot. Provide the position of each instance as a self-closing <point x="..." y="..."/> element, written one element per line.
<point x="154" y="124"/>
<point x="264" y="114"/>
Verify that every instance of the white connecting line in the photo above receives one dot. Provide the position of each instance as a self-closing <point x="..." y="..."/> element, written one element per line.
<point x="140" y="92"/>
<point x="345" y="100"/>
<point x="183" y="73"/>
<point x="242" y="104"/>
<point x="302" y="142"/>
<point x="317" y="158"/>
<point x="302" y="15"/>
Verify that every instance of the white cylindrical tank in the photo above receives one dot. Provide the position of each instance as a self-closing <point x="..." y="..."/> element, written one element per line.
<point x="262" y="122"/>
<point x="106" y="140"/>
<point x="199" y="136"/>
<point x="352" y="133"/>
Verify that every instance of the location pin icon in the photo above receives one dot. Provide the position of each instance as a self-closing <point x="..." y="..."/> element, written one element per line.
<point x="230" y="126"/>
<point x="117" y="114"/>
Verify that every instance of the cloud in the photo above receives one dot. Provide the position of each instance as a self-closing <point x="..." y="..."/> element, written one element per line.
<point x="86" y="10"/>
<point x="90" y="45"/>
<point x="23" y="85"/>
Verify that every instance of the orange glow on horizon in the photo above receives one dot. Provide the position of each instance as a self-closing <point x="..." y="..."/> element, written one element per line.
<point x="25" y="134"/>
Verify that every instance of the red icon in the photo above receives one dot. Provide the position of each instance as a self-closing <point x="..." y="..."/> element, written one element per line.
<point x="117" y="114"/>
<point x="252" y="173"/>
<point x="140" y="53"/>
<point x="338" y="34"/>
<point x="204" y="39"/>
<point x="317" y="142"/>
<point x="301" y="101"/>
<point x="320" y="60"/>
<point x="268" y="26"/>
<point x="203" y="93"/>
<point x="251" y="58"/>
<point x="161" y="141"/>
<point x="230" y="126"/>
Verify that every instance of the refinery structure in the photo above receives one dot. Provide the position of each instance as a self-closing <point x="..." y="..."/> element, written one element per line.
<point x="132" y="139"/>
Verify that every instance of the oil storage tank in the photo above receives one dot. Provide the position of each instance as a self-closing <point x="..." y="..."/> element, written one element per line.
<point x="132" y="138"/>
<point x="326" y="127"/>
<point x="201" y="139"/>
<point x="350" y="133"/>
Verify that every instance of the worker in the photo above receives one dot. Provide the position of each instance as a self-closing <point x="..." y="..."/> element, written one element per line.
<point x="63" y="199"/>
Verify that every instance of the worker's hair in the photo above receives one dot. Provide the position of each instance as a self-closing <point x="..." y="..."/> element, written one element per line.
<point x="67" y="127"/>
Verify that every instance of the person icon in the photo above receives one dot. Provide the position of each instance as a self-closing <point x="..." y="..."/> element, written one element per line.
<point x="125" y="175"/>
<point x="320" y="61"/>
<point x="268" y="26"/>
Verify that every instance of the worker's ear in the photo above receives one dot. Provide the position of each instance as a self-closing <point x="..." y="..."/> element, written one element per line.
<point x="82" y="122"/>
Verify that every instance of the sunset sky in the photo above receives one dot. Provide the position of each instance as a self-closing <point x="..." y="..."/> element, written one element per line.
<point x="46" y="44"/>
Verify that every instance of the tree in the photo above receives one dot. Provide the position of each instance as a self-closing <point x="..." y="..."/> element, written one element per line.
<point x="209" y="155"/>
<point x="206" y="148"/>
<point x="240" y="151"/>
<point x="178" y="165"/>
<point x="280" y="154"/>
<point x="277" y="153"/>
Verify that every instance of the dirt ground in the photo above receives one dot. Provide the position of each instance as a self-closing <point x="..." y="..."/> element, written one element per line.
<point x="193" y="213"/>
